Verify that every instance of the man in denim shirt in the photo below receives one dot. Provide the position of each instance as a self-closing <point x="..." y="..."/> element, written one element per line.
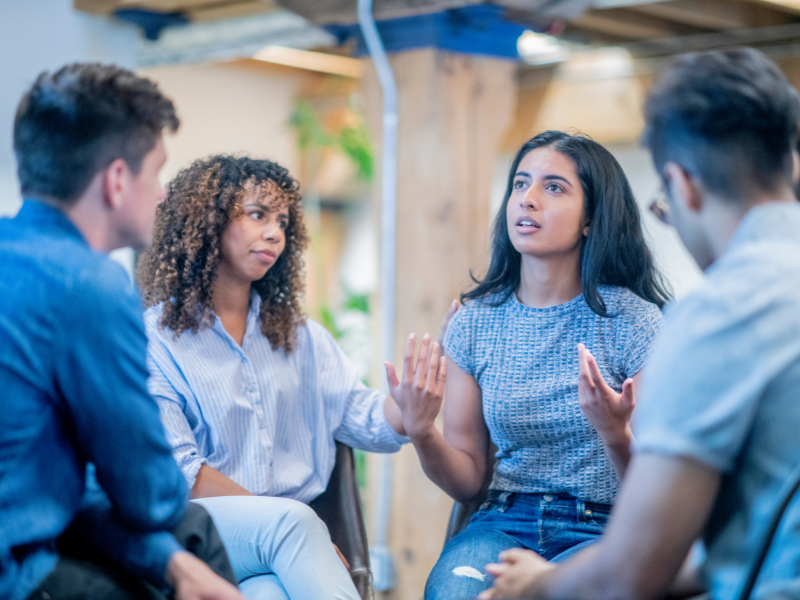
<point x="719" y="414"/>
<point x="88" y="141"/>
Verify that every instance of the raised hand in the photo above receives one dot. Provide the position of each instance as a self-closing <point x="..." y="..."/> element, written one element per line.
<point x="608" y="411"/>
<point x="515" y="575"/>
<point x="420" y="391"/>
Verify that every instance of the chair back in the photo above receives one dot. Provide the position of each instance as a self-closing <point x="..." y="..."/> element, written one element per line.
<point x="339" y="507"/>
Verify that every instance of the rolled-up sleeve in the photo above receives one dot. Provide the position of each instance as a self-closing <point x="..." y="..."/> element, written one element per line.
<point x="172" y="406"/>
<point x="363" y="422"/>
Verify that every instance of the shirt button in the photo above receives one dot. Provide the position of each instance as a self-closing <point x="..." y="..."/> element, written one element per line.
<point x="548" y="497"/>
<point x="260" y="425"/>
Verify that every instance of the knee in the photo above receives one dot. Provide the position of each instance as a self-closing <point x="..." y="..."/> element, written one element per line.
<point x="295" y="514"/>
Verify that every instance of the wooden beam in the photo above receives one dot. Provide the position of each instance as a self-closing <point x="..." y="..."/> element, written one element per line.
<point x="706" y="14"/>
<point x="345" y="11"/>
<point x="195" y="10"/>
<point x="715" y="14"/>
<point x="231" y="10"/>
<point x="791" y="7"/>
<point x="626" y="24"/>
<point x="454" y="110"/>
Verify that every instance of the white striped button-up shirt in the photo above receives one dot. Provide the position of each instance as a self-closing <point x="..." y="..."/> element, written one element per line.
<point x="264" y="418"/>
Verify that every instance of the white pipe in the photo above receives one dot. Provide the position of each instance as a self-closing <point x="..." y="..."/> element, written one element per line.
<point x="382" y="562"/>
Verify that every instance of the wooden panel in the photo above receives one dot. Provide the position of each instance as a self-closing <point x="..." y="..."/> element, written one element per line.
<point x="630" y="25"/>
<point x="454" y="111"/>
<point x="196" y="10"/>
<point x="716" y="14"/>
<point x="346" y="11"/>
<point x="708" y="14"/>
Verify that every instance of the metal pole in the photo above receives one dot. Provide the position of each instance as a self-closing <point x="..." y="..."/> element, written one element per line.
<point x="383" y="566"/>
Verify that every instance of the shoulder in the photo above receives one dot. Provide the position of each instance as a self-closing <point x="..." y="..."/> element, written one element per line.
<point x="102" y="288"/>
<point x="629" y="308"/>
<point x="481" y="311"/>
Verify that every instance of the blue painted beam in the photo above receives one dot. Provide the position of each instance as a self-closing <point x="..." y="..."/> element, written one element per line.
<point x="480" y="29"/>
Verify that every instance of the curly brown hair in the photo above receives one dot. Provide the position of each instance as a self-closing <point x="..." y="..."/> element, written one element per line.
<point x="180" y="267"/>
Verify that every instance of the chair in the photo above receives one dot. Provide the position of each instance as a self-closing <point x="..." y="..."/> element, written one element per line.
<point x="462" y="513"/>
<point x="339" y="506"/>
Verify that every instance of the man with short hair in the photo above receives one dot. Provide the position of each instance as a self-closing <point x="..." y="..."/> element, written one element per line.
<point x="719" y="414"/>
<point x="89" y="147"/>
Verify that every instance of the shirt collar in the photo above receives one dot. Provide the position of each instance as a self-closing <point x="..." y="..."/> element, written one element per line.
<point x="772" y="221"/>
<point x="36" y="211"/>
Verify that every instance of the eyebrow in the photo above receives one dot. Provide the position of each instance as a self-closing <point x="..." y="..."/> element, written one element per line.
<point x="551" y="177"/>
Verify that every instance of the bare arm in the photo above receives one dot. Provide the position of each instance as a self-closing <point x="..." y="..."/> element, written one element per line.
<point x="210" y="483"/>
<point x="455" y="461"/>
<point x="662" y="508"/>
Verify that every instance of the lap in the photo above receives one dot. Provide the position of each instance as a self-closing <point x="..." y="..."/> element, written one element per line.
<point x="555" y="526"/>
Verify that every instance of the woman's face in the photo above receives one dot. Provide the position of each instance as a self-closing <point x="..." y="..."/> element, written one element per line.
<point x="545" y="211"/>
<point x="252" y="243"/>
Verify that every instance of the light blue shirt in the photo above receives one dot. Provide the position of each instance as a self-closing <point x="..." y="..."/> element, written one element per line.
<point x="525" y="361"/>
<point x="265" y="418"/>
<point x="723" y="388"/>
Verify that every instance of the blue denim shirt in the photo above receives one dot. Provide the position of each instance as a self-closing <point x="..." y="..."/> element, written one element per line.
<point x="73" y="391"/>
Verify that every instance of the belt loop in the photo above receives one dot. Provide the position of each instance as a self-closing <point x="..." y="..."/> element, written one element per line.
<point x="580" y="507"/>
<point x="503" y="501"/>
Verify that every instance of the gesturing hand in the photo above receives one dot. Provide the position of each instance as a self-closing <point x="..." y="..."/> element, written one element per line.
<point x="419" y="394"/>
<point x="608" y="411"/>
<point x="515" y="575"/>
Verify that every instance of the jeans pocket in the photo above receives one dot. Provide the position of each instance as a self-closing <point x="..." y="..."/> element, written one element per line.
<point x="596" y="514"/>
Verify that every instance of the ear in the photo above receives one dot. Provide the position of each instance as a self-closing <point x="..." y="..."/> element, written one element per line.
<point x="115" y="182"/>
<point x="683" y="189"/>
<point x="795" y="167"/>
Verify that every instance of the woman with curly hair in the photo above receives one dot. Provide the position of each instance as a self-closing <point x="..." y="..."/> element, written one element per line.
<point x="252" y="394"/>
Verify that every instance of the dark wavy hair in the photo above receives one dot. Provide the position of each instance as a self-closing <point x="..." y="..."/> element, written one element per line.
<point x="613" y="253"/>
<point x="180" y="268"/>
<point x="728" y="117"/>
<point x="75" y="122"/>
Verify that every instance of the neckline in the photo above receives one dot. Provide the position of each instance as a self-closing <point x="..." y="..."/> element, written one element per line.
<point x="559" y="309"/>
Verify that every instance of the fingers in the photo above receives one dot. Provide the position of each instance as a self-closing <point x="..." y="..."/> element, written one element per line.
<point x="341" y="557"/>
<point x="391" y="375"/>
<point x="433" y="368"/>
<point x="441" y="379"/>
<point x="421" y="371"/>
<point x="628" y="400"/>
<point x="408" y="358"/>
<point x="512" y="555"/>
<point x="584" y="374"/>
<point x="594" y="371"/>
<point x="451" y="310"/>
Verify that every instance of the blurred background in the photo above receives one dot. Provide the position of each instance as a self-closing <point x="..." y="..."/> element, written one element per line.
<point x="290" y="80"/>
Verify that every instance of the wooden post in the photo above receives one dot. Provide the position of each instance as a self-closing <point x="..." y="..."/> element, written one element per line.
<point x="454" y="110"/>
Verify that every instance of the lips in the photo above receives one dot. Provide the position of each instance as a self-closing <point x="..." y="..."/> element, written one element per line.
<point x="266" y="256"/>
<point x="525" y="223"/>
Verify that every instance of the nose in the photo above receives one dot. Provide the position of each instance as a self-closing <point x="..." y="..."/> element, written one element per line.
<point x="272" y="231"/>
<point x="529" y="199"/>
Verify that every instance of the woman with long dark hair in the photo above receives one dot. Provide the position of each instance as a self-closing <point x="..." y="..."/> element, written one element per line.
<point x="542" y="359"/>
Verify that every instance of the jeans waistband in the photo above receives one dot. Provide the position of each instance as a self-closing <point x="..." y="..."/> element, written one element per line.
<point x="505" y="499"/>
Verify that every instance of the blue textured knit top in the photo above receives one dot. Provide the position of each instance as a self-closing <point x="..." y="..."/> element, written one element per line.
<point x="525" y="361"/>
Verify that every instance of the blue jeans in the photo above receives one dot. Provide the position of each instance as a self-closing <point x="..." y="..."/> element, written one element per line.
<point x="279" y="549"/>
<point x="555" y="526"/>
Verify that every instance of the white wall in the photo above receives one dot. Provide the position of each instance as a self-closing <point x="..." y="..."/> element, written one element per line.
<point x="45" y="34"/>
<point x="229" y="108"/>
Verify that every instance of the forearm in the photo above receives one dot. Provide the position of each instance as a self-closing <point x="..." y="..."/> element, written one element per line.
<point x="619" y="450"/>
<point x="393" y="415"/>
<point x="453" y="470"/>
<point x="210" y="483"/>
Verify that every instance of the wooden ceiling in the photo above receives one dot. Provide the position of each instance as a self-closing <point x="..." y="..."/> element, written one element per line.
<point x="646" y="27"/>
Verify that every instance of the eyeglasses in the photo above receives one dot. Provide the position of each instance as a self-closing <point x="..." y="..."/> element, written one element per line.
<point x="660" y="207"/>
